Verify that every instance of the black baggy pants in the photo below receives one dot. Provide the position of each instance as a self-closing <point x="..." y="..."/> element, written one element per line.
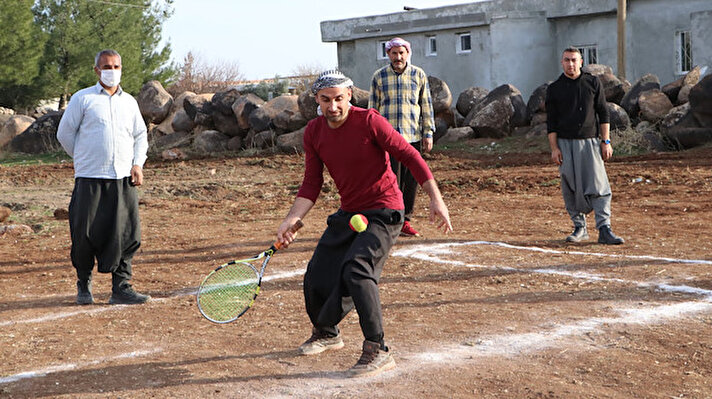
<point x="104" y="224"/>
<point x="345" y="269"/>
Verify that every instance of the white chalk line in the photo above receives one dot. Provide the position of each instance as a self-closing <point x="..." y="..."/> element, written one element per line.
<point x="74" y="366"/>
<point x="437" y="248"/>
<point x="428" y="253"/>
<point x="96" y="310"/>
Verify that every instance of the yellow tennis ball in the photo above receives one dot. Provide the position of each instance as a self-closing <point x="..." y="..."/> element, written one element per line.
<point x="358" y="223"/>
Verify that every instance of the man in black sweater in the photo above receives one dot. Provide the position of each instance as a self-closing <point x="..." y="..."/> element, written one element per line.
<point x="579" y="137"/>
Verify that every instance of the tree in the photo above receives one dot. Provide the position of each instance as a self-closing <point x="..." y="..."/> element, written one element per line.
<point x="199" y="76"/>
<point x="78" y="29"/>
<point x="21" y="44"/>
<point x="305" y="74"/>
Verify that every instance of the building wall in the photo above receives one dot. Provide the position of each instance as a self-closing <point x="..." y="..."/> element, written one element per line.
<point x="651" y="35"/>
<point x="522" y="53"/>
<point x="701" y="23"/>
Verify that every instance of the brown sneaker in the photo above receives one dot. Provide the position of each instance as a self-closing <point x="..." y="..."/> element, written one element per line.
<point x="320" y="342"/>
<point x="408" y="231"/>
<point x="374" y="360"/>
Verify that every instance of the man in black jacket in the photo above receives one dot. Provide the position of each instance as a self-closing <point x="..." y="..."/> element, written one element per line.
<point x="579" y="137"/>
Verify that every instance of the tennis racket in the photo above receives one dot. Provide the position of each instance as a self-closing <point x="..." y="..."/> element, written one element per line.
<point x="230" y="290"/>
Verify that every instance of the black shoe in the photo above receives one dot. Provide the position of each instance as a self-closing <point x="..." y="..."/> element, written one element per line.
<point x="84" y="296"/>
<point x="606" y="236"/>
<point x="580" y="233"/>
<point x="125" y="295"/>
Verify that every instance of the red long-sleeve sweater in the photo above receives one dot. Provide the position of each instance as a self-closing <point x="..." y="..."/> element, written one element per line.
<point x="356" y="155"/>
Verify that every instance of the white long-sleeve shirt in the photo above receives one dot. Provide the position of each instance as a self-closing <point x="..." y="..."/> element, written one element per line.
<point x="105" y="135"/>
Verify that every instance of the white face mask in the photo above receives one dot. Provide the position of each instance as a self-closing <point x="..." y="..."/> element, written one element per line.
<point x="111" y="77"/>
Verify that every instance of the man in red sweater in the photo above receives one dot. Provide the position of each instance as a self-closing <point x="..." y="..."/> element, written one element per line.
<point x="354" y="144"/>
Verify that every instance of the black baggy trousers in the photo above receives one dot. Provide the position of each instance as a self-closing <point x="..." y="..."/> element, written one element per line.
<point x="345" y="269"/>
<point x="104" y="224"/>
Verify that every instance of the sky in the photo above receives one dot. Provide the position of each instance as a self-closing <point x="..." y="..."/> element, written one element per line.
<point x="266" y="38"/>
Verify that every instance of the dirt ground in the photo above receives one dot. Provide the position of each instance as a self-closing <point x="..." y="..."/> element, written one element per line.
<point x="500" y="308"/>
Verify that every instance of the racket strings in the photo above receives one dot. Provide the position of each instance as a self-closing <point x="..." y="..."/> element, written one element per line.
<point x="228" y="292"/>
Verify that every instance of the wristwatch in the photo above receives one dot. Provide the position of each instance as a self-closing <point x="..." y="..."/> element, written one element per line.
<point x="606" y="141"/>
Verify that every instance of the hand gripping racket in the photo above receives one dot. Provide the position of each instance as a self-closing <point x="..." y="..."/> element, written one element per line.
<point x="230" y="290"/>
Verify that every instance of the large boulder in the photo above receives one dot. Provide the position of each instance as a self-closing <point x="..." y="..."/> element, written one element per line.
<point x="226" y="124"/>
<point x="690" y="137"/>
<point x="222" y="101"/>
<point x="683" y="129"/>
<point x="441" y="127"/>
<point x="498" y="113"/>
<point x="629" y="102"/>
<point x="493" y="120"/>
<point x="597" y="69"/>
<point x="154" y="102"/>
<point x="456" y="134"/>
<point x="291" y="143"/>
<point x="14" y="126"/>
<point x="672" y="89"/>
<point x="539" y="117"/>
<point x="678" y="117"/>
<point x="469" y="98"/>
<point x="537" y="101"/>
<point x="210" y="141"/>
<point x="440" y="94"/>
<point x="654" y="105"/>
<point x="199" y="108"/>
<point x="307" y="105"/>
<point x="289" y="120"/>
<point x="683" y="96"/>
<point x="619" y="119"/>
<point x="613" y="88"/>
<point x="263" y="118"/>
<point x="173" y="140"/>
<point x="40" y="137"/>
<point x="182" y="122"/>
<point x="170" y="125"/>
<point x="701" y="101"/>
<point x="243" y="107"/>
<point x="359" y="97"/>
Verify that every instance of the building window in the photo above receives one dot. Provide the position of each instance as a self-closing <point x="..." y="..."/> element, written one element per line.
<point x="683" y="52"/>
<point x="432" y="47"/>
<point x="464" y="43"/>
<point x="589" y="54"/>
<point x="381" y="53"/>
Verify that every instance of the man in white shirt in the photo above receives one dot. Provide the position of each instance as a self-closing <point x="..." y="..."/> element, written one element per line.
<point x="103" y="131"/>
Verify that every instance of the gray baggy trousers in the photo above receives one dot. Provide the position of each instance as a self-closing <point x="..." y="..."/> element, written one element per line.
<point x="584" y="183"/>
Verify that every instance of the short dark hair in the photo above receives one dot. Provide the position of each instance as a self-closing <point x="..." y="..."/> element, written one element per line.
<point x="105" y="52"/>
<point x="571" y="49"/>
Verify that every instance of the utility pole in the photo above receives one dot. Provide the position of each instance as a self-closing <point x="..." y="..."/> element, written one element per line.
<point x="621" y="37"/>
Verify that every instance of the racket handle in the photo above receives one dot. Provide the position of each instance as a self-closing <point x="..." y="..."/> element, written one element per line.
<point x="296" y="226"/>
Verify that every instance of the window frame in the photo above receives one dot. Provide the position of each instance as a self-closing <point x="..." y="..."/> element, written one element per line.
<point x="586" y="53"/>
<point x="381" y="53"/>
<point x="683" y="52"/>
<point x="431" y="42"/>
<point x="459" y="47"/>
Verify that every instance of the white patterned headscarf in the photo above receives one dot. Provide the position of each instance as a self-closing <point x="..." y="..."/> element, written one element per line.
<point x="331" y="78"/>
<point x="398" y="42"/>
